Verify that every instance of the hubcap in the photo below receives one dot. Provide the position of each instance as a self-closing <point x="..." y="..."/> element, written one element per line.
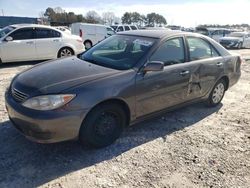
<point x="218" y="93"/>
<point x="66" y="52"/>
<point x="106" y="124"/>
<point x="87" y="45"/>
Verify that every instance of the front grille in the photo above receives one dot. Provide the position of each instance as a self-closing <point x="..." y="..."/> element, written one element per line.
<point x="18" y="96"/>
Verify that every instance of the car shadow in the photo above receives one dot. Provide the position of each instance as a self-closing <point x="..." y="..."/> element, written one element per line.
<point x="27" y="164"/>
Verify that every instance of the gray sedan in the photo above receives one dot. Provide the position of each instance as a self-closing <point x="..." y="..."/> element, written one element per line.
<point x="122" y="80"/>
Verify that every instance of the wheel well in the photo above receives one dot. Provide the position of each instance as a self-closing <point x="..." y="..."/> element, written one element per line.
<point x="225" y="78"/>
<point x="119" y="102"/>
<point x="65" y="47"/>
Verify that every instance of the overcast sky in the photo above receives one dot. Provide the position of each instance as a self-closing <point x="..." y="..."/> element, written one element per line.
<point x="178" y="12"/>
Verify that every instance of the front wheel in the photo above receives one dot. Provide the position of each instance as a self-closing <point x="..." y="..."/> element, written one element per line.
<point x="103" y="125"/>
<point x="217" y="93"/>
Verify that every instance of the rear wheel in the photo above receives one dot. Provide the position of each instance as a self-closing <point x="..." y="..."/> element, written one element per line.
<point x="65" y="52"/>
<point x="103" y="125"/>
<point x="217" y="93"/>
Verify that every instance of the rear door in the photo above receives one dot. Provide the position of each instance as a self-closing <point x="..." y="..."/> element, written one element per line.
<point x="159" y="90"/>
<point x="21" y="48"/>
<point x="209" y="66"/>
<point x="48" y="43"/>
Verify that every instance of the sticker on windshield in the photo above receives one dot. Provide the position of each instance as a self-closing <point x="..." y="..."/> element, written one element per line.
<point x="143" y="42"/>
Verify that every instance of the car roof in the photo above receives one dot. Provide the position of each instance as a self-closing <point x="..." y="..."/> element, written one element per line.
<point x="30" y="25"/>
<point x="151" y="33"/>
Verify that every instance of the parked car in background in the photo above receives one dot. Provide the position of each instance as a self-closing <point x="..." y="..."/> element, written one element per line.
<point x="236" y="40"/>
<point x="91" y="33"/>
<point x="155" y="28"/>
<point x="120" y="28"/>
<point x="214" y="33"/>
<point x="120" y="81"/>
<point x="27" y="42"/>
<point x="64" y="29"/>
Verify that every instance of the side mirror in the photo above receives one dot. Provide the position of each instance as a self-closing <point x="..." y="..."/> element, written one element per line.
<point x="153" y="66"/>
<point x="9" y="38"/>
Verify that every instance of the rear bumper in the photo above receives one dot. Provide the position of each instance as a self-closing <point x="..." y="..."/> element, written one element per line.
<point x="44" y="126"/>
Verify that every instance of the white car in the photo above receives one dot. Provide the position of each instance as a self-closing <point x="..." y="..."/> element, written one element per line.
<point x="236" y="40"/>
<point x="120" y="28"/>
<point x="91" y="33"/>
<point x="27" y="42"/>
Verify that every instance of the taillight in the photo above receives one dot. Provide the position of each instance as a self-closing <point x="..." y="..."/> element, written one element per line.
<point x="80" y="33"/>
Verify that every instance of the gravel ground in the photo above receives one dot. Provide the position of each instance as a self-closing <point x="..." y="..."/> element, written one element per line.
<point x="194" y="146"/>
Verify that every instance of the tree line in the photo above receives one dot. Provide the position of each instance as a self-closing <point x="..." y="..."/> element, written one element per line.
<point x="58" y="16"/>
<point x="152" y="19"/>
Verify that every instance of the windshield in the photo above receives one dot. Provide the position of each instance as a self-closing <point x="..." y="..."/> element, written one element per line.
<point x="119" y="52"/>
<point x="237" y="35"/>
<point x="5" y="31"/>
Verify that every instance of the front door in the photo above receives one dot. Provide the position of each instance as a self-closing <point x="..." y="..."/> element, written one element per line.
<point x="21" y="48"/>
<point x="158" y="90"/>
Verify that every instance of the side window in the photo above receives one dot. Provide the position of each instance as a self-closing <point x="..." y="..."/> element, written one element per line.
<point x="46" y="33"/>
<point x="171" y="52"/>
<point x="133" y="27"/>
<point x="120" y="28"/>
<point x="22" y="34"/>
<point x="127" y="28"/>
<point x="55" y="34"/>
<point x="200" y="49"/>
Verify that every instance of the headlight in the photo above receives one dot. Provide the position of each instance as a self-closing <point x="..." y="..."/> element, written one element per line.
<point x="48" y="102"/>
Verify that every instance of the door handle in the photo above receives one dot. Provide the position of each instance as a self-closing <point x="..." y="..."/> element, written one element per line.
<point x="55" y="40"/>
<point x="219" y="64"/>
<point x="30" y="42"/>
<point x="183" y="73"/>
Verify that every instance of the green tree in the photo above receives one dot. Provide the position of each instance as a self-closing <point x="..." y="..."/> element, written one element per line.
<point x="127" y="18"/>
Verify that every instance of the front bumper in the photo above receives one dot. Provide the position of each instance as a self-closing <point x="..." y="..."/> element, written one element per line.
<point x="44" y="126"/>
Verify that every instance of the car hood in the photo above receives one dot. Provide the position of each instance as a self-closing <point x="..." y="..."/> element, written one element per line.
<point x="58" y="75"/>
<point x="231" y="38"/>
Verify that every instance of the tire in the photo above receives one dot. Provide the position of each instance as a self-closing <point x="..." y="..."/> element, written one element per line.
<point x="240" y="45"/>
<point x="217" y="93"/>
<point x="88" y="44"/>
<point x="103" y="125"/>
<point x="65" y="52"/>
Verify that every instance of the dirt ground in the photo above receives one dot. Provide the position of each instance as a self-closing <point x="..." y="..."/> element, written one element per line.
<point x="194" y="146"/>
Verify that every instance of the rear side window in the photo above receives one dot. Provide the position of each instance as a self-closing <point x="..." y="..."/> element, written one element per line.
<point x="126" y="28"/>
<point x="120" y="28"/>
<point x="171" y="52"/>
<point x="200" y="49"/>
<point x="22" y="34"/>
<point x="133" y="27"/>
<point x="46" y="33"/>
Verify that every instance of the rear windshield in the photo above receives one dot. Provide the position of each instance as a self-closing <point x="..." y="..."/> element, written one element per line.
<point x="6" y="30"/>
<point x="119" y="52"/>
